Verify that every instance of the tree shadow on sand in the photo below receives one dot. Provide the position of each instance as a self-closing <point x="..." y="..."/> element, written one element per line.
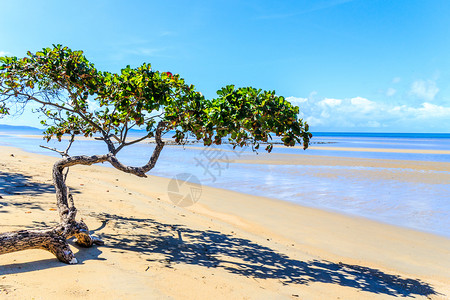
<point x="178" y="244"/>
<point x="19" y="184"/>
<point x="12" y="184"/>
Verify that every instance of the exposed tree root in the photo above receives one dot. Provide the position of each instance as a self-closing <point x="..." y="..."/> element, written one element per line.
<point x="53" y="240"/>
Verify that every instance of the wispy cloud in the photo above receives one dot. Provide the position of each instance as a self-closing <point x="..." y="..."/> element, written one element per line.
<point x="315" y="7"/>
<point x="361" y="114"/>
<point x="391" y="92"/>
<point x="146" y="51"/>
<point x="139" y="51"/>
<point x="4" y="53"/>
<point x="396" y="80"/>
<point x="425" y="90"/>
<point x="167" y="33"/>
<point x="152" y="46"/>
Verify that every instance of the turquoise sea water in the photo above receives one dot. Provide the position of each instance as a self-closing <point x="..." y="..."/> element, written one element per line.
<point x="419" y="205"/>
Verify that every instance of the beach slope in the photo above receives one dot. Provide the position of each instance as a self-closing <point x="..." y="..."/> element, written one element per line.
<point x="226" y="246"/>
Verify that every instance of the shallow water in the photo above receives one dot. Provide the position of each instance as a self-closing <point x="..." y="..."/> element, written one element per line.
<point x="350" y="190"/>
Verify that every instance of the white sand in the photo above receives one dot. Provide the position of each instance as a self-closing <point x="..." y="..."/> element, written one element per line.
<point x="232" y="246"/>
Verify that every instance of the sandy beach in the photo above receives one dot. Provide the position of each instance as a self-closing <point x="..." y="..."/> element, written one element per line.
<point x="228" y="245"/>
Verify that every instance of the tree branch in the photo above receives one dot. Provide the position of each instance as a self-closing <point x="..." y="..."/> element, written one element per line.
<point x="140" y="171"/>
<point x="131" y="143"/>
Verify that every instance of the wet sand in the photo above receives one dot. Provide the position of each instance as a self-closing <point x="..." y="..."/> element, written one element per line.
<point x="401" y="170"/>
<point x="385" y="150"/>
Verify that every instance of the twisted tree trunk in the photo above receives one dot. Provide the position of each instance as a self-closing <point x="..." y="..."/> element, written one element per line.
<point x="54" y="239"/>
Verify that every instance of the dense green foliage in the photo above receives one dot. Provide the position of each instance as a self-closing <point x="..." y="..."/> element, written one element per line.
<point x="77" y="99"/>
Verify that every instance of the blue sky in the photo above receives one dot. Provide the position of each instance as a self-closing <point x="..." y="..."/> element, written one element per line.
<point x="363" y="65"/>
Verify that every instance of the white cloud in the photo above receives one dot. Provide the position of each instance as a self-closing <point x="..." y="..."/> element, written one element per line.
<point x="425" y="90"/>
<point x="329" y="102"/>
<point x="425" y="111"/>
<point x="361" y="114"/>
<point x="391" y="92"/>
<point x="362" y="105"/>
<point x="312" y="121"/>
<point x="4" y="53"/>
<point x="429" y="109"/>
<point x="296" y="101"/>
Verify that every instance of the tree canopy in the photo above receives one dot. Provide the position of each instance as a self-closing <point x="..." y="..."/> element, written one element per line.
<point x="78" y="99"/>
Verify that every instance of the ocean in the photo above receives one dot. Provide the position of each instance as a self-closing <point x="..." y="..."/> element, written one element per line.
<point x="419" y="205"/>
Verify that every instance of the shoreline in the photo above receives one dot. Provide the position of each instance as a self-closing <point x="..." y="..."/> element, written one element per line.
<point x="333" y="161"/>
<point x="327" y="168"/>
<point x="288" y="232"/>
<point x="315" y="147"/>
<point x="294" y="159"/>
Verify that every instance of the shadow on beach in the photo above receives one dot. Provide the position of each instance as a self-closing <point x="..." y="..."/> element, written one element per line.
<point x="18" y="184"/>
<point x="212" y="249"/>
<point x="13" y="184"/>
<point x="175" y="244"/>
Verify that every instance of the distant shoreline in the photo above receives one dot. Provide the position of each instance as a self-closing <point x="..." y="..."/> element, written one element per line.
<point x="444" y="135"/>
